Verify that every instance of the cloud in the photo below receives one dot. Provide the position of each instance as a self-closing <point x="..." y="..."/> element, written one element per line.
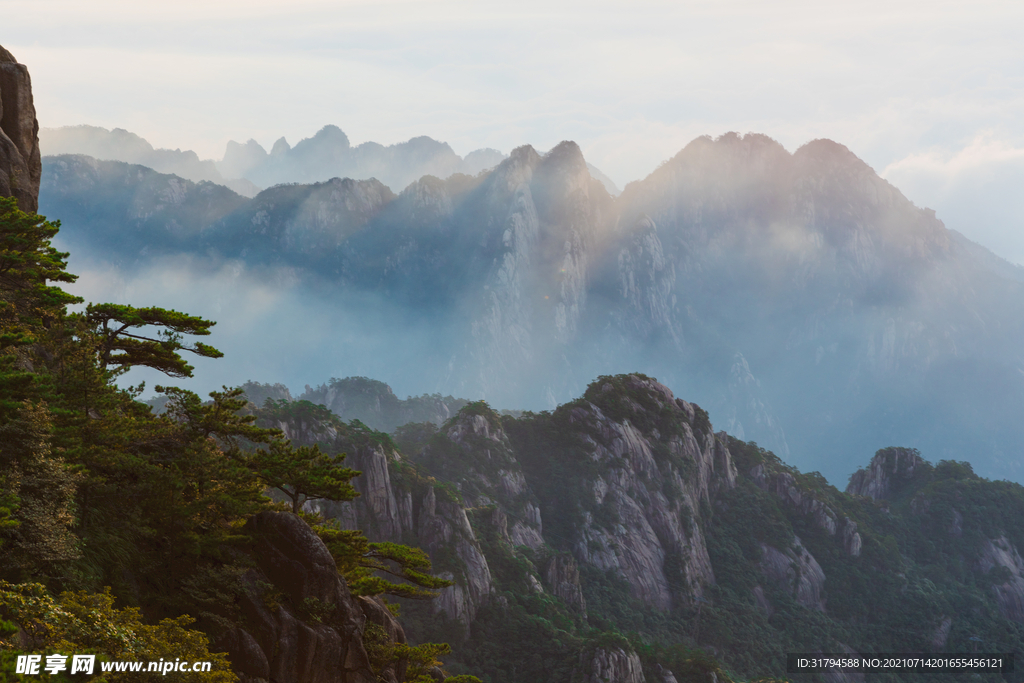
<point x="272" y="327"/>
<point x="974" y="189"/>
<point x="632" y="83"/>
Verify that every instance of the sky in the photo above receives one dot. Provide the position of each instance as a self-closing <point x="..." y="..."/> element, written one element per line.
<point x="930" y="94"/>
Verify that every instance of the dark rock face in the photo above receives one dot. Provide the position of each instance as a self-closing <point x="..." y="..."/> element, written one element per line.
<point x="379" y="615"/>
<point x="20" y="163"/>
<point x="312" y="635"/>
<point x="563" y="579"/>
<point x="628" y="491"/>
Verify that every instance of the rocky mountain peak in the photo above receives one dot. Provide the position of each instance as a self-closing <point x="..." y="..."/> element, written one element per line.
<point x="562" y="173"/>
<point x="517" y="170"/>
<point x="889" y="471"/>
<point x="20" y="163"/>
<point x="610" y="665"/>
<point x="329" y="135"/>
<point x="567" y="155"/>
<point x="476" y="420"/>
<point x="239" y="158"/>
<point x="280" y="148"/>
<point x="430" y="199"/>
<point x="828" y="154"/>
<point x="635" y="394"/>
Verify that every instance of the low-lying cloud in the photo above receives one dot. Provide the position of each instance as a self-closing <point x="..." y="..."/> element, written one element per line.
<point x="272" y="327"/>
<point x="974" y="190"/>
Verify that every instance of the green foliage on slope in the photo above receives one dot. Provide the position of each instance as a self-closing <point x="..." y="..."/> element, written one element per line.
<point x="103" y="501"/>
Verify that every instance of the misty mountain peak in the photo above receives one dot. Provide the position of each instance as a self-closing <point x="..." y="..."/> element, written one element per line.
<point x="831" y="154"/>
<point x="329" y="134"/>
<point x="750" y="150"/>
<point x="280" y="148"/>
<point x="566" y="154"/>
<point x="517" y="170"/>
<point x="425" y="147"/>
<point x="482" y="159"/>
<point x="430" y="198"/>
<point x="562" y="172"/>
<point x="238" y="158"/>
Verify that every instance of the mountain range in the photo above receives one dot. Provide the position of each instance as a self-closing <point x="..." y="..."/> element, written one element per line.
<point x="800" y="297"/>
<point x="248" y="168"/>
<point x="624" y="512"/>
<point x="616" y="537"/>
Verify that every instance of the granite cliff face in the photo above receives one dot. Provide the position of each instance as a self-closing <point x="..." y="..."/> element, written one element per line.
<point x="20" y="163"/>
<point x="647" y="488"/>
<point x="610" y="665"/>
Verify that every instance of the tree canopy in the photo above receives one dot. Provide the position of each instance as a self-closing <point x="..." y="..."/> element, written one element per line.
<point x="100" y="498"/>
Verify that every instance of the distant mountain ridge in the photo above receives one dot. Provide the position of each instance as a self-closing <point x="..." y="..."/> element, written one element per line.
<point x="248" y="168"/>
<point x="803" y="300"/>
<point x="371" y="402"/>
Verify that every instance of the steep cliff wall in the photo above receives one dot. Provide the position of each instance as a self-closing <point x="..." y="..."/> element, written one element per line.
<point x="279" y="642"/>
<point x="20" y="163"/>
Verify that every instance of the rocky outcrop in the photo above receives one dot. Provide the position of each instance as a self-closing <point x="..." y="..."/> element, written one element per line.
<point x="642" y="517"/>
<point x="784" y="486"/>
<point x="443" y="530"/>
<point x="476" y="455"/>
<point x="377" y="510"/>
<point x="890" y="469"/>
<point x="562" y="577"/>
<point x="663" y="675"/>
<point x="646" y="280"/>
<point x="313" y="633"/>
<point x="609" y="665"/>
<point x="941" y="634"/>
<point x="391" y="632"/>
<point x="797" y="572"/>
<point x="1009" y="593"/>
<point x="20" y="163"/>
